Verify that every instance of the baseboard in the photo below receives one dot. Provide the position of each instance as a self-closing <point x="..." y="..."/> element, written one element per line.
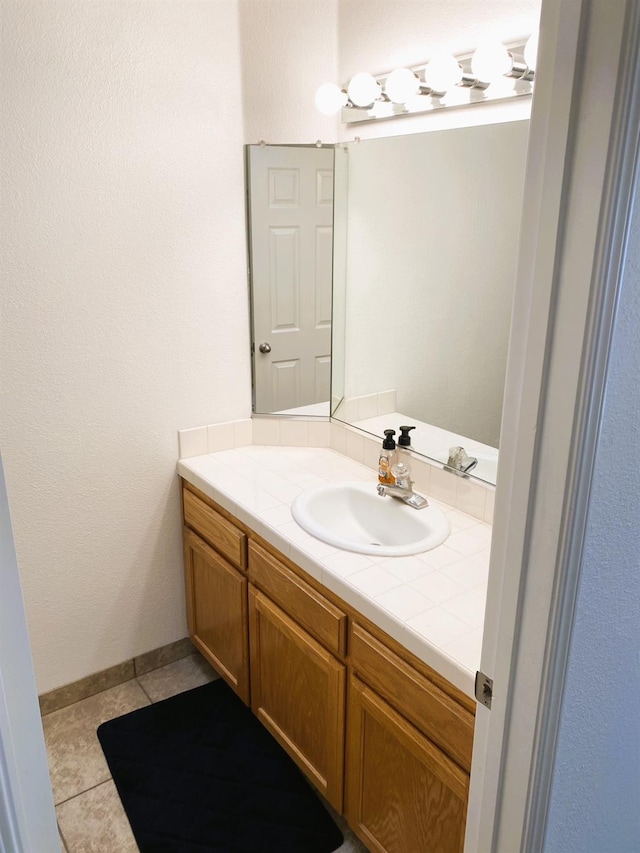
<point x="118" y="674"/>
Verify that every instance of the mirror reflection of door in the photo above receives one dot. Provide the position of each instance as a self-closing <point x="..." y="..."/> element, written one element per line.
<point x="290" y="251"/>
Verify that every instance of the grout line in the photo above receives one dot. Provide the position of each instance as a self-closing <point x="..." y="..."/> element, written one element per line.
<point x="86" y="791"/>
<point x="83" y="687"/>
<point x="141" y="686"/>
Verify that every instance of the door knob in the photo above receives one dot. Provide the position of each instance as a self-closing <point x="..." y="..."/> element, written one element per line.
<point x="265" y="347"/>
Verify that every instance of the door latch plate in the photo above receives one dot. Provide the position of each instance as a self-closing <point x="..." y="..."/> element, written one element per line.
<point x="484" y="689"/>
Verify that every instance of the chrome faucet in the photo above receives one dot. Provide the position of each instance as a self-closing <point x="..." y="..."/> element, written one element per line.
<point x="404" y="492"/>
<point x="460" y="461"/>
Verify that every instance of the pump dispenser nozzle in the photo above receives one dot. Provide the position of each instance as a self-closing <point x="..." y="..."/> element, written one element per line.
<point x="405" y="438"/>
<point x="389" y="443"/>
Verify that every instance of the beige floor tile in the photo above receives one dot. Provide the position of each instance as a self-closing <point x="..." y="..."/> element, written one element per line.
<point x="95" y="822"/>
<point x="351" y="843"/>
<point x="76" y="762"/>
<point x="177" y="677"/>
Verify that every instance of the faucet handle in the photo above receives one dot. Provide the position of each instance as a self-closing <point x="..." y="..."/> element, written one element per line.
<point x="459" y="460"/>
<point x="403" y="475"/>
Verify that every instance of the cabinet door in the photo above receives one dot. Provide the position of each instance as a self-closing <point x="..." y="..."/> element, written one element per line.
<point x="403" y="793"/>
<point x="217" y="612"/>
<point x="298" y="693"/>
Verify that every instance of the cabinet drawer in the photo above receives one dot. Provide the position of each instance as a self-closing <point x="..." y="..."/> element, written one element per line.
<point x="437" y="715"/>
<point x="214" y="529"/>
<point x="309" y="608"/>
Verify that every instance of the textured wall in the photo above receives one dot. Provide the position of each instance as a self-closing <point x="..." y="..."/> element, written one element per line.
<point x="596" y="781"/>
<point x="378" y="35"/>
<point x="124" y="307"/>
<point x="289" y="49"/>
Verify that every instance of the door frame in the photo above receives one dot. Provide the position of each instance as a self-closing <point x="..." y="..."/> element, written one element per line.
<point x="27" y="814"/>
<point x="577" y="201"/>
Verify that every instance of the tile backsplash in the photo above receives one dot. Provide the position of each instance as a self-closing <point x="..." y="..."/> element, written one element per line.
<point x="464" y="493"/>
<point x="370" y="406"/>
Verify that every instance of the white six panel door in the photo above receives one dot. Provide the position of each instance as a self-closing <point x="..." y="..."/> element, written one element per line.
<point x="291" y="232"/>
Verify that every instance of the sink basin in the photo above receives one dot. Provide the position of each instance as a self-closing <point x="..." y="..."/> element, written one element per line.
<point x="353" y="516"/>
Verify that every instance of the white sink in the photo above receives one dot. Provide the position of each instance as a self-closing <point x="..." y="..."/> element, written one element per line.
<point x="353" y="516"/>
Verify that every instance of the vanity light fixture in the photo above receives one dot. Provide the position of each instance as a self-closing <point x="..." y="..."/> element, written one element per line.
<point x="531" y="52"/>
<point x="442" y="72"/>
<point x="401" y="85"/>
<point x="491" y="61"/>
<point x="364" y="90"/>
<point x="330" y="99"/>
<point x="494" y="71"/>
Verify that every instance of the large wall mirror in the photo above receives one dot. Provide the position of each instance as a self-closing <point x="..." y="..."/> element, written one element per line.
<point x="426" y="238"/>
<point x="423" y="237"/>
<point x="290" y="234"/>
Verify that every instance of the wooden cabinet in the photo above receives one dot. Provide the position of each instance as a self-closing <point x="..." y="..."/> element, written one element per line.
<point x="382" y="736"/>
<point x="408" y="755"/>
<point x="440" y="717"/>
<point x="322" y="619"/>
<point x="217" y="612"/>
<point x="298" y="692"/>
<point x="216" y="590"/>
<point x="297" y="637"/>
<point x="214" y="528"/>
<point x="404" y="795"/>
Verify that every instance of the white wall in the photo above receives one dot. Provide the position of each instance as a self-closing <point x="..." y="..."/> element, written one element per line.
<point x="596" y="782"/>
<point x="289" y="49"/>
<point x="124" y="307"/>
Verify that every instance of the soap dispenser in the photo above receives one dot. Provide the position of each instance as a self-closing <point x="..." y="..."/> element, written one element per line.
<point x="401" y="469"/>
<point x="405" y="438"/>
<point x="387" y="458"/>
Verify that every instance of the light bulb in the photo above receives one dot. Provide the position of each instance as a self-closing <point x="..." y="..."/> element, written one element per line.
<point x="401" y="85"/>
<point x="531" y="51"/>
<point x="443" y="72"/>
<point x="330" y="99"/>
<point x="490" y="61"/>
<point x="363" y="89"/>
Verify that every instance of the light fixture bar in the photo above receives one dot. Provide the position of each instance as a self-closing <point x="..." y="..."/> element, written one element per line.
<point x="515" y="81"/>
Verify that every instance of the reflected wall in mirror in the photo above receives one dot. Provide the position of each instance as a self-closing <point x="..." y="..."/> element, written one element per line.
<point x="290" y="233"/>
<point x="427" y="270"/>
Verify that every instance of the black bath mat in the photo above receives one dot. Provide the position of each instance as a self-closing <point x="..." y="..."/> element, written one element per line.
<point x="199" y="773"/>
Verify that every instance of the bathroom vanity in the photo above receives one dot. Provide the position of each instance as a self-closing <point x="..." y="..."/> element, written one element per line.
<point x="385" y="737"/>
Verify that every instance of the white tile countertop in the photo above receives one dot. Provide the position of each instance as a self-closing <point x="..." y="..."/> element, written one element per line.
<point x="432" y="603"/>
